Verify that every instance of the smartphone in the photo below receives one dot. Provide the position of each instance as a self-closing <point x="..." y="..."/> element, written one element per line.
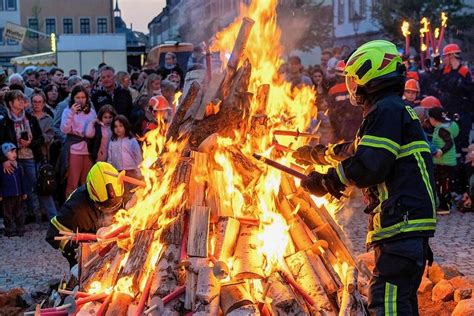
<point x="24" y="135"/>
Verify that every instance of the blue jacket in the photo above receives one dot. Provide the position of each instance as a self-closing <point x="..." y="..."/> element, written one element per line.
<point x="12" y="184"/>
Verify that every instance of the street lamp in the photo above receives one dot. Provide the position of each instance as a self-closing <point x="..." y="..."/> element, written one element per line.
<point x="356" y="19"/>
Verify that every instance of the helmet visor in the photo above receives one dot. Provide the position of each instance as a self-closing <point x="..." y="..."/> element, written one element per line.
<point x="351" y="85"/>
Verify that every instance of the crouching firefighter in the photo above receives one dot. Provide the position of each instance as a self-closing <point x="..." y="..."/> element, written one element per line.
<point x="390" y="159"/>
<point x="88" y="208"/>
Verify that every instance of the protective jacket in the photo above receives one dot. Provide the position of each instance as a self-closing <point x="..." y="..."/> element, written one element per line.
<point x="443" y="138"/>
<point x="455" y="89"/>
<point x="391" y="159"/>
<point x="77" y="214"/>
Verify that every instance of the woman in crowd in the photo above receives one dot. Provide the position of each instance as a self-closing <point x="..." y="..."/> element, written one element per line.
<point x="124" y="150"/>
<point x="75" y="152"/>
<point x="123" y="79"/>
<point x="23" y="130"/>
<point x="102" y="132"/>
<point x="151" y="87"/>
<point x="38" y="101"/>
<point x="52" y="95"/>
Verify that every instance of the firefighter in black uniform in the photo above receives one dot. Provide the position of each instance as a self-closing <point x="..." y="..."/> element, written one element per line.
<point x="88" y="208"/>
<point x="390" y="159"/>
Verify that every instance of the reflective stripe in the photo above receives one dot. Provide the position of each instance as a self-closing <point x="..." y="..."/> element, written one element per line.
<point x="380" y="142"/>
<point x="329" y="154"/>
<point x="402" y="227"/>
<point x="341" y="174"/>
<point x="59" y="226"/>
<point x="412" y="113"/>
<point x="426" y="180"/>
<point x="390" y="299"/>
<point x="414" y="147"/>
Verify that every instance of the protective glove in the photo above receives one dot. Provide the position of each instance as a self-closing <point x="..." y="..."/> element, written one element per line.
<point x="308" y="155"/>
<point x="320" y="184"/>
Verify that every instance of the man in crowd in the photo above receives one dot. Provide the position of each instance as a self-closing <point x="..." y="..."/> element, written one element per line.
<point x="295" y="73"/>
<point x="111" y="93"/>
<point x="56" y="76"/>
<point x="391" y="160"/>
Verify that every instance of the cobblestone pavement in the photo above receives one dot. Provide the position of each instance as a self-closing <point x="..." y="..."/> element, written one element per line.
<point x="29" y="262"/>
<point x="453" y="242"/>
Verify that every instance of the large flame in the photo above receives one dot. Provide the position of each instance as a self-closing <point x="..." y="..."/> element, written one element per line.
<point x="406" y="28"/>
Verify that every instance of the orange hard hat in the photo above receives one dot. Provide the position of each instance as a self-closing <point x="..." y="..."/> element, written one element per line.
<point x="412" y="85"/>
<point x="159" y="103"/>
<point x="413" y="75"/>
<point x="430" y="102"/>
<point x="340" y="66"/>
<point x="451" y="49"/>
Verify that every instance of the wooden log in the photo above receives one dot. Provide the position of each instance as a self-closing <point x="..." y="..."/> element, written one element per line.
<point x="351" y="300"/>
<point x="134" y="267"/>
<point x="327" y="280"/>
<point x="167" y="276"/>
<point x="262" y="96"/>
<point x="245" y="311"/>
<point x="198" y="232"/>
<point x="298" y="233"/>
<point x="211" y="309"/>
<point x="119" y="304"/>
<point x="244" y="166"/>
<point x="208" y="286"/>
<point x="195" y="264"/>
<point x="197" y="180"/>
<point x="284" y="301"/>
<point x="211" y="95"/>
<point x="101" y="268"/>
<point x="236" y="56"/>
<point x="172" y="233"/>
<point x="226" y="237"/>
<point x="300" y="266"/>
<point x="336" y="245"/>
<point x="248" y="258"/>
<point x="233" y="296"/>
<point x="233" y="114"/>
<point x="186" y="103"/>
<point x="217" y="199"/>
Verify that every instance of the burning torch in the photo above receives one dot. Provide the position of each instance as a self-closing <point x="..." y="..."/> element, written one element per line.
<point x="424" y="30"/>
<point x="444" y="23"/>
<point x="406" y="32"/>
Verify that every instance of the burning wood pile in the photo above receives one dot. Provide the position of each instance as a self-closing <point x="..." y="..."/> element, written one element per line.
<point x="214" y="231"/>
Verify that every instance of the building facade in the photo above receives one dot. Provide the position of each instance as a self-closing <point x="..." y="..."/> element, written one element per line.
<point x="63" y="17"/>
<point x="9" y="12"/>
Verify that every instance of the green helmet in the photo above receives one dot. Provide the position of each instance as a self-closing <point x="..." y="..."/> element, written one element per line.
<point x="372" y="60"/>
<point x="377" y="59"/>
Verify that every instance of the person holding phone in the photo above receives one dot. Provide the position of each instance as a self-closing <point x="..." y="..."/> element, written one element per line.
<point x="75" y="152"/>
<point x="22" y="130"/>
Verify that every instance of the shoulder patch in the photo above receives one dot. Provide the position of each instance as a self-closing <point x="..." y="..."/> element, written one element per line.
<point x="463" y="71"/>
<point x="411" y="112"/>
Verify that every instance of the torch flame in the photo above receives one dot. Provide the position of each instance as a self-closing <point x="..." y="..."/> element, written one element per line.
<point x="406" y="28"/>
<point x="444" y="19"/>
<point x="436" y="32"/>
<point x="425" y="29"/>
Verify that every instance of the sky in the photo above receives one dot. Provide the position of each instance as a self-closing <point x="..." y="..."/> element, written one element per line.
<point x="140" y="12"/>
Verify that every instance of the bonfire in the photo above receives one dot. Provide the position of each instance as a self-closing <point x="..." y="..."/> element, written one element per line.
<point x="213" y="230"/>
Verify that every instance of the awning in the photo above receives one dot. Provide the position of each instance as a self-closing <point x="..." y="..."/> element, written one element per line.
<point x="42" y="59"/>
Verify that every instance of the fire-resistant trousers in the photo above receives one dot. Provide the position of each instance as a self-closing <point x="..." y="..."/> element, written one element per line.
<point x="399" y="267"/>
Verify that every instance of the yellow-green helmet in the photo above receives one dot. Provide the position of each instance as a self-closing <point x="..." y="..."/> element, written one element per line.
<point x="372" y="60"/>
<point x="104" y="187"/>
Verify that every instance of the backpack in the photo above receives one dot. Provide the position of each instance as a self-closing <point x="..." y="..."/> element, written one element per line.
<point x="47" y="183"/>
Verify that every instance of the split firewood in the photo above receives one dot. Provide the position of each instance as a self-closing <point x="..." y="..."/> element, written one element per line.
<point x="195" y="264"/>
<point x="300" y="266"/>
<point x="217" y="197"/>
<point x="167" y="276"/>
<point x="197" y="180"/>
<point x="134" y="267"/>
<point x="210" y="97"/>
<point x="119" y="304"/>
<point x="233" y="296"/>
<point x="248" y="258"/>
<point x="351" y="300"/>
<point x="284" y="301"/>
<point x="245" y="311"/>
<point x="178" y="118"/>
<point x="226" y="237"/>
<point x="198" y="232"/>
<point x="102" y="268"/>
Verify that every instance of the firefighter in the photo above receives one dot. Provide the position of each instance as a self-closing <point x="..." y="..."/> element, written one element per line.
<point x="345" y="119"/>
<point x="455" y="92"/>
<point x="411" y="93"/>
<point x="391" y="160"/>
<point x="88" y="208"/>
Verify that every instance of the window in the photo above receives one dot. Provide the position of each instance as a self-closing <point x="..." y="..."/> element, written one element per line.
<point x="85" y="25"/>
<point x="33" y="24"/>
<point x="50" y="26"/>
<point x="340" y="11"/>
<point x="2" y="42"/>
<point x="67" y="26"/>
<point x="363" y="7"/>
<point x="11" y="5"/>
<point x="1" y="6"/>
<point x="101" y="25"/>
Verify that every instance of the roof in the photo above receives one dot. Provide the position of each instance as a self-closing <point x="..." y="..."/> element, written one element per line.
<point x="42" y="59"/>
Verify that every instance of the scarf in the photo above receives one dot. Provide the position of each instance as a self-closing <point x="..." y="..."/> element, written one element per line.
<point x="21" y="124"/>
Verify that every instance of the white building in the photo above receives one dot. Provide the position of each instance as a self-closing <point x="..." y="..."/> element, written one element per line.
<point x="352" y="21"/>
<point x="9" y="12"/>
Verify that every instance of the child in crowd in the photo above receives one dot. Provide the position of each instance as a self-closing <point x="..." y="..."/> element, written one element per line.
<point x="100" y="128"/>
<point x="12" y="193"/>
<point x="445" y="132"/>
<point x="410" y="95"/>
<point x="124" y="151"/>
